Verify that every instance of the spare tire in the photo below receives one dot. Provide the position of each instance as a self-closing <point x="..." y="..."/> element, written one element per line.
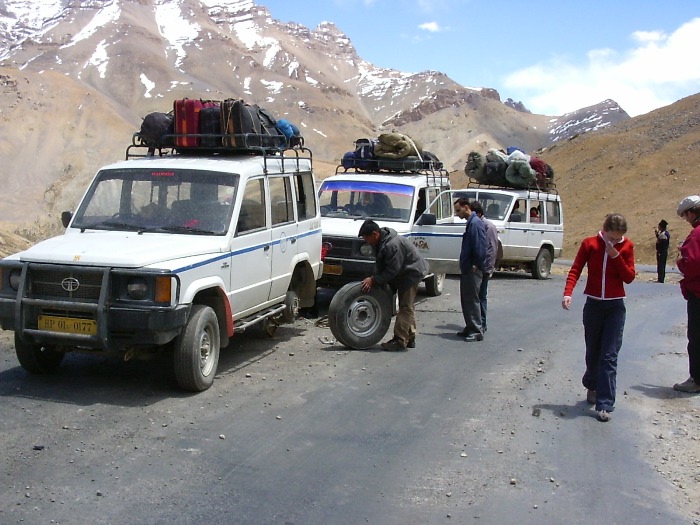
<point x="360" y="319"/>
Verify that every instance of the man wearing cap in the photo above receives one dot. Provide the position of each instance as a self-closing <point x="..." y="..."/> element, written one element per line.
<point x="663" y="238"/>
<point x="689" y="265"/>
<point x="400" y="265"/>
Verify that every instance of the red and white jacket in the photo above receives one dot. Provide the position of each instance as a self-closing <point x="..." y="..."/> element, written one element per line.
<point x="606" y="275"/>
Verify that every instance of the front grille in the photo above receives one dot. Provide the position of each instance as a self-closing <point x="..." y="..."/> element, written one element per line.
<point x="343" y="248"/>
<point x="55" y="283"/>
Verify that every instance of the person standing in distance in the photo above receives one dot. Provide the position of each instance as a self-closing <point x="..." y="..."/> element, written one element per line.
<point x="490" y="262"/>
<point x="472" y="260"/>
<point x="401" y="266"/>
<point x="663" y="238"/>
<point x="689" y="265"/>
<point x="610" y="260"/>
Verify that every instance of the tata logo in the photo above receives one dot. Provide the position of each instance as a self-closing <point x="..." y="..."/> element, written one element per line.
<point x="70" y="284"/>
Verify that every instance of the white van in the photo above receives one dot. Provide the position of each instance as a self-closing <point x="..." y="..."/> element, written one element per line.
<point x="169" y="249"/>
<point x="393" y="199"/>
<point x="530" y="226"/>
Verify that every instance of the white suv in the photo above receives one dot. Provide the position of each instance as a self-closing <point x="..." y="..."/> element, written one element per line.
<point x="530" y="226"/>
<point x="177" y="250"/>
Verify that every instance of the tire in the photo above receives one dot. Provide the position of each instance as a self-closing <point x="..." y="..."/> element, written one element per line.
<point x="196" y="354"/>
<point x="360" y="319"/>
<point x="37" y="358"/>
<point x="542" y="265"/>
<point x="291" y="310"/>
<point x="435" y="284"/>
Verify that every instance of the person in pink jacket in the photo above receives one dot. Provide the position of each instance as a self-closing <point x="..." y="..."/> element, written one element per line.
<point x="610" y="260"/>
<point x="689" y="265"/>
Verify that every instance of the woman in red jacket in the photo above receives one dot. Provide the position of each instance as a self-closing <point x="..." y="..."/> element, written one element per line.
<point x="610" y="260"/>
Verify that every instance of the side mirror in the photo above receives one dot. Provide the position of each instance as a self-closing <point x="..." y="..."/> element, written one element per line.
<point x="515" y="218"/>
<point x="66" y="216"/>
<point x="427" y="219"/>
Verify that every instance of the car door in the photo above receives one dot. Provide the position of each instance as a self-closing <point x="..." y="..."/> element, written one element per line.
<point x="284" y="233"/>
<point x="251" y="252"/>
<point x="438" y="234"/>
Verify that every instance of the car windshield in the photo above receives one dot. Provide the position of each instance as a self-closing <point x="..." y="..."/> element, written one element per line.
<point x="192" y="202"/>
<point x="350" y="199"/>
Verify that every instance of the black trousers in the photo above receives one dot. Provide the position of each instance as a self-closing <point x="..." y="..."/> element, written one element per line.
<point x="694" y="337"/>
<point x="661" y="256"/>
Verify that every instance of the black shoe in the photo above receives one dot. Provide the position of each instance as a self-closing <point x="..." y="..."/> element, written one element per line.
<point x="411" y="343"/>
<point x="463" y="333"/>
<point x="472" y="338"/>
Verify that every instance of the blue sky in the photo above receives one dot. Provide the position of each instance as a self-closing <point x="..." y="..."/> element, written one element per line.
<point x="554" y="56"/>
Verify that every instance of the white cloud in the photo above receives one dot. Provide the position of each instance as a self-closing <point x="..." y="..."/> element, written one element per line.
<point x="660" y="70"/>
<point x="432" y="27"/>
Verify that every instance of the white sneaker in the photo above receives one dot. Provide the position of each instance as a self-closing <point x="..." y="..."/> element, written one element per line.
<point x="688" y="386"/>
<point x="604" y="415"/>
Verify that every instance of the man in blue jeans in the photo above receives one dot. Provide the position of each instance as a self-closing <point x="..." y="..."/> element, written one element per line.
<point x="472" y="258"/>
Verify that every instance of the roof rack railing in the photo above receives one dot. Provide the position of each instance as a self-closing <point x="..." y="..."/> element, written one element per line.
<point x="240" y="144"/>
<point x="549" y="187"/>
<point x="431" y="169"/>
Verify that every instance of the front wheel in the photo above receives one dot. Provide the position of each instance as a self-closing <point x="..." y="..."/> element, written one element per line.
<point x="435" y="284"/>
<point x="360" y="319"/>
<point x="542" y="265"/>
<point x="197" y="350"/>
<point x="37" y="358"/>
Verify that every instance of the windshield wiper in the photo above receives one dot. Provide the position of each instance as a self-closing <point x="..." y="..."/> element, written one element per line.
<point x="112" y="225"/>
<point x="185" y="229"/>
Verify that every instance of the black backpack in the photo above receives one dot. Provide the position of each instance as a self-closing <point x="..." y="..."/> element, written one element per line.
<point x="157" y="129"/>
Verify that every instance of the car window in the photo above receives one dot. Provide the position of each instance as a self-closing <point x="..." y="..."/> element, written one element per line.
<point x="252" y="215"/>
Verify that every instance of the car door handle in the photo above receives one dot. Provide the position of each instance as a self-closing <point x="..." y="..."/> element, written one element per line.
<point x="267" y="247"/>
<point x="294" y="239"/>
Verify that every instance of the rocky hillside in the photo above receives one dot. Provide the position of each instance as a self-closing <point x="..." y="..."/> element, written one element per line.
<point x="76" y="77"/>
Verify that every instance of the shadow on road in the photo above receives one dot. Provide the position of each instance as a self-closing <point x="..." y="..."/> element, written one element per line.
<point x="580" y="409"/>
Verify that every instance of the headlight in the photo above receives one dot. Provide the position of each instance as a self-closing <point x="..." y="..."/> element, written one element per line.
<point x="137" y="288"/>
<point x="366" y="250"/>
<point x="15" y="278"/>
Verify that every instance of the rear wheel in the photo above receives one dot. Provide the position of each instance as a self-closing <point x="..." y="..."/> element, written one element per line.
<point x="197" y="350"/>
<point x="434" y="284"/>
<point x="542" y="265"/>
<point x="360" y="319"/>
<point x="37" y="358"/>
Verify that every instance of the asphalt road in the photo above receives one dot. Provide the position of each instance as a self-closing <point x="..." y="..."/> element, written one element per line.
<point x="299" y="430"/>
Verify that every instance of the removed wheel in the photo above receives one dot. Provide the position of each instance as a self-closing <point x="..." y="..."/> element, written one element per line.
<point x="37" y="358"/>
<point x="542" y="265"/>
<point x="197" y="350"/>
<point x="434" y="284"/>
<point x="360" y="319"/>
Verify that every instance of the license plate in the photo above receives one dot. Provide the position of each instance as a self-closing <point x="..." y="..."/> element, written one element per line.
<point x="67" y="325"/>
<point x="333" y="269"/>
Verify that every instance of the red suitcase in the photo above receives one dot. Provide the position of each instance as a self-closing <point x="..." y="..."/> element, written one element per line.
<point x="187" y="121"/>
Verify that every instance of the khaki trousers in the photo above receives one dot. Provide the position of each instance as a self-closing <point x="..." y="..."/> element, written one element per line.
<point x="405" y="324"/>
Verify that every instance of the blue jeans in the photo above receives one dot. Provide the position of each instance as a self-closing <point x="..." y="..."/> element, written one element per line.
<point x="603" y="324"/>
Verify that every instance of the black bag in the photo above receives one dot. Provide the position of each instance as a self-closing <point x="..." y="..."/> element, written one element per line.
<point x="249" y="126"/>
<point x="364" y="148"/>
<point x="431" y="161"/>
<point x="157" y="129"/>
<point x="210" y="126"/>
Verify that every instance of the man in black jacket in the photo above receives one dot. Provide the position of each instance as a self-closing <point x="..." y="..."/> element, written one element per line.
<point x="401" y="266"/>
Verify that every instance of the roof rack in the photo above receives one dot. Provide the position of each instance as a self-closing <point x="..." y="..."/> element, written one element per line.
<point x="548" y="187"/>
<point x="213" y="144"/>
<point x="266" y="146"/>
<point x="432" y="169"/>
